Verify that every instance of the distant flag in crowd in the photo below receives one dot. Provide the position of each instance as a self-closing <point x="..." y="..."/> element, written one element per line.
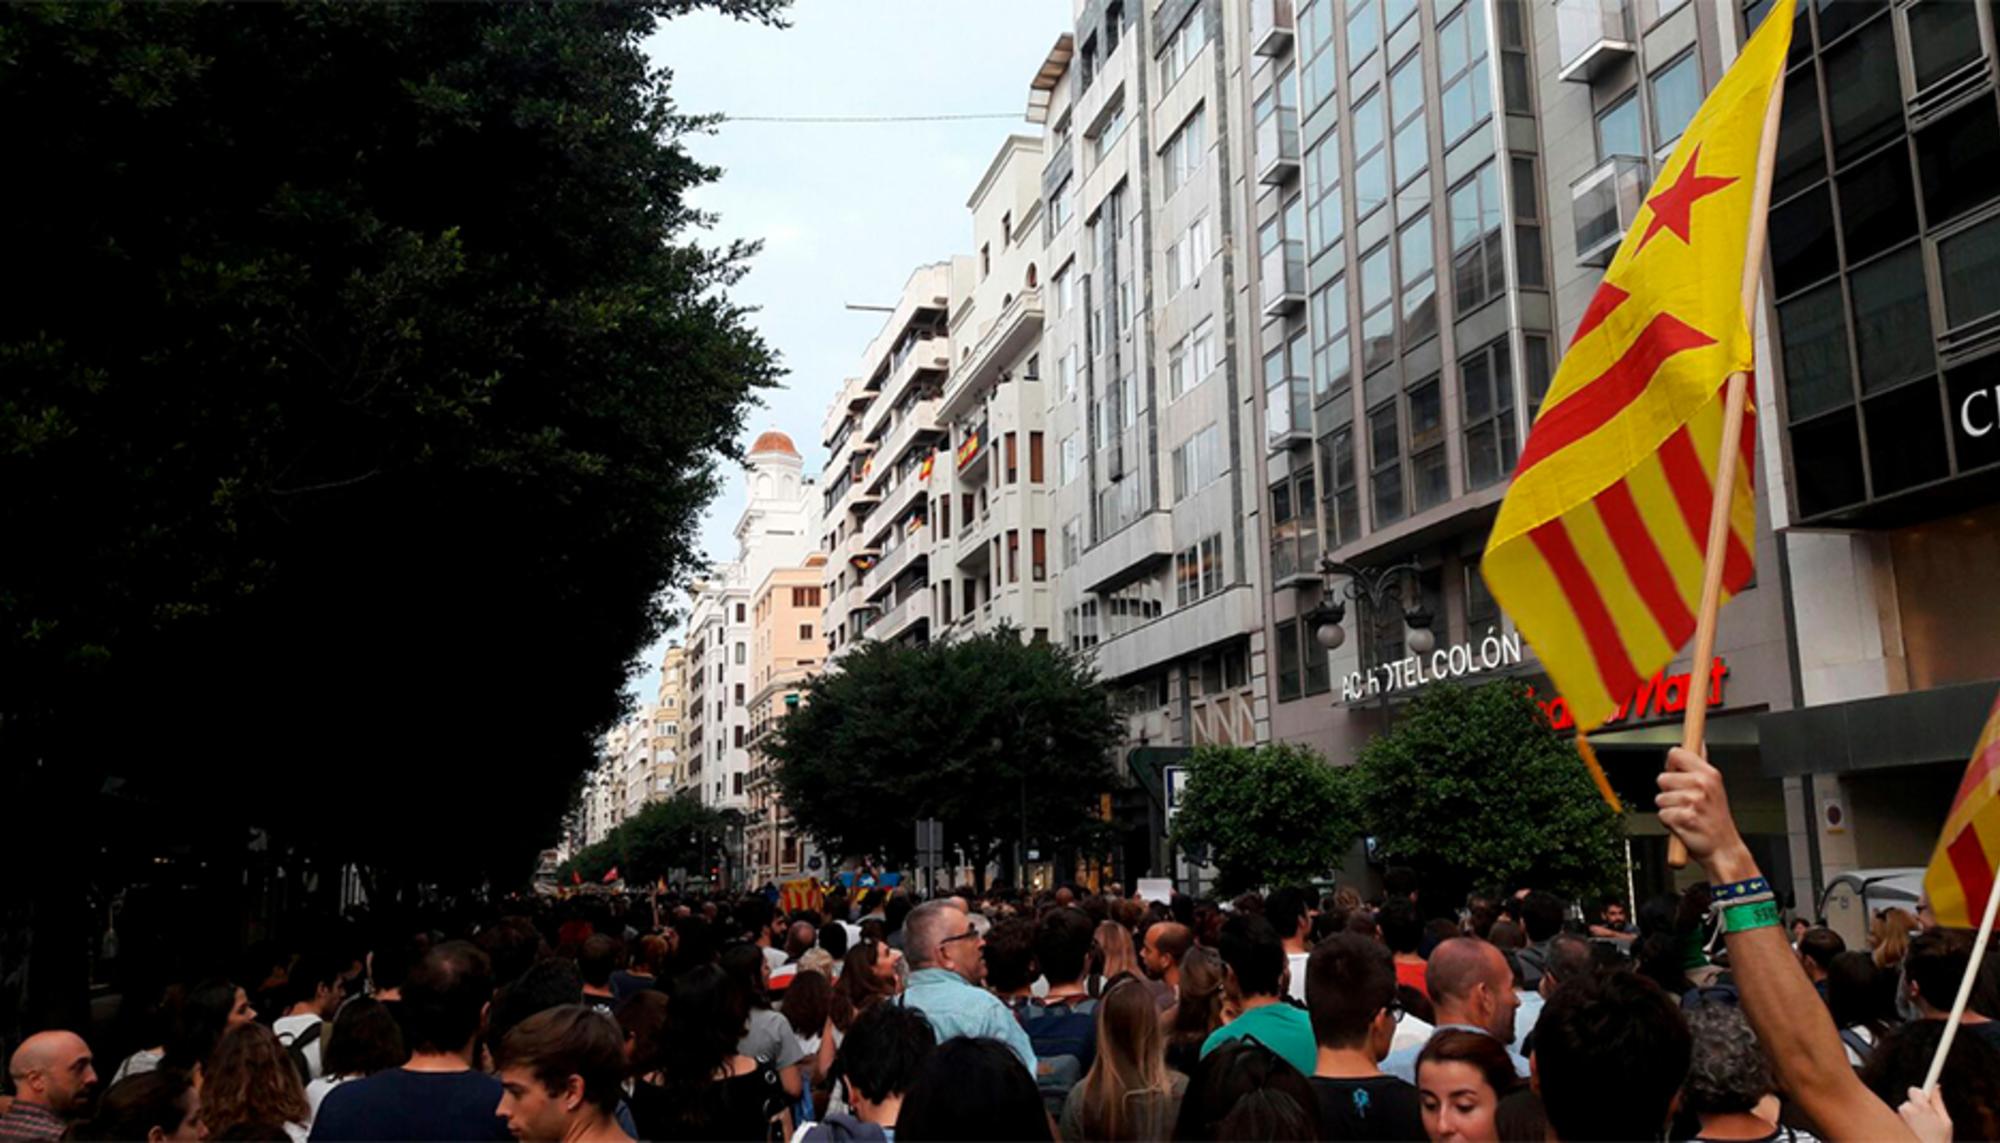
<point x="1598" y="549"/>
<point x="1960" y="877"/>
<point x="575" y="877"/>
<point x="800" y="894"/>
<point x="611" y="875"/>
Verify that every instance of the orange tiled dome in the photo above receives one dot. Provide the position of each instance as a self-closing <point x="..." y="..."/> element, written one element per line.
<point x="774" y="441"/>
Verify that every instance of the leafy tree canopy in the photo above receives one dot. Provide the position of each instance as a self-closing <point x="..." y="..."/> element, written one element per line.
<point x="363" y="389"/>
<point x="1471" y="788"/>
<point x="660" y="840"/>
<point x="961" y="731"/>
<point x="1269" y="815"/>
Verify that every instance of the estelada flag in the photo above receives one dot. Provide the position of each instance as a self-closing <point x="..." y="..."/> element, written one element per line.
<point x="802" y="893"/>
<point x="1597" y="551"/>
<point x="1960" y="876"/>
<point x="611" y="875"/>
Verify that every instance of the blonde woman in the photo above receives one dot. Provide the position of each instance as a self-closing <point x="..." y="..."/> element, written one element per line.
<point x="1889" y="936"/>
<point x="1129" y="1092"/>
<point x="1112" y="944"/>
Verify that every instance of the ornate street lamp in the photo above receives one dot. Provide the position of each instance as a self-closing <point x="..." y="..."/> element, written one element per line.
<point x="1373" y="590"/>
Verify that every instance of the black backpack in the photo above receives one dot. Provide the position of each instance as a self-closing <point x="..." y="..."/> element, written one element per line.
<point x="297" y="1049"/>
<point x="1064" y="1036"/>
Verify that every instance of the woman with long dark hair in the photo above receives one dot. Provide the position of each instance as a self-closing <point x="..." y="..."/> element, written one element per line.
<point x="1129" y="1093"/>
<point x="207" y="1011"/>
<point x="1197" y="1012"/>
<point x="713" y="1091"/>
<point x="868" y="975"/>
<point x="766" y="1036"/>
<point x="159" y="1106"/>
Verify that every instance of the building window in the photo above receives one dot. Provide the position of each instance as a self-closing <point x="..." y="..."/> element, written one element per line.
<point x="1618" y="130"/>
<point x="1060" y="207"/>
<point x="1676" y="96"/>
<point x="1315" y="47"/>
<point x="985" y="260"/>
<point x="1013" y="460"/>
<point x="1066" y="368"/>
<point x="1182" y="47"/>
<point x="1479" y="272"/>
<point x="1343" y="496"/>
<point x="1385" y="475"/>
<point x="1035" y="473"/>
<point x="1538" y="370"/>
<point x="1294" y="525"/>
<point x="1013" y="555"/>
<point x="1072" y="543"/>
<point x="1061" y="299"/>
<point x="1411" y="145"/>
<point x="1201" y="350"/>
<point x="1527" y="225"/>
<point x="1332" y="362"/>
<point x="1969" y="266"/>
<point x="1185" y="152"/>
<point x="1419" y="279"/>
<point x="1364" y="32"/>
<point x="805" y="631"/>
<point x="742" y="653"/>
<point x="739" y="694"/>
<point x="1487" y="380"/>
<point x="739" y="619"/>
<point x="1177" y="369"/>
<point x="1198" y="571"/>
<point x="739" y="740"/>
<point x="1864" y="98"/>
<point x="1892" y="316"/>
<point x="1198" y="462"/>
<point x="1190" y="256"/>
<point x="1070" y="461"/>
<point x="1378" y="316"/>
<point x="1515" y="86"/>
<point x="1039" y="554"/>
<point x="1430" y="484"/>
<point x="736" y="780"/>
<point x="1371" y="161"/>
<point x="805" y="597"/>
<point x="1324" y="221"/>
<point x="1463" y="85"/>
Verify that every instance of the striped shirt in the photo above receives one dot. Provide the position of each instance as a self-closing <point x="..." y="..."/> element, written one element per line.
<point x="29" y="1123"/>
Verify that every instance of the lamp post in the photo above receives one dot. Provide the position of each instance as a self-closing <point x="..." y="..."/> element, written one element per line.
<point x="1371" y="590"/>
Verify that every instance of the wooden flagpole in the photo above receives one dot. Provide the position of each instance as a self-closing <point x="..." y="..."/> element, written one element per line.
<point x="1972" y="968"/>
<point x="1694" y="723"/>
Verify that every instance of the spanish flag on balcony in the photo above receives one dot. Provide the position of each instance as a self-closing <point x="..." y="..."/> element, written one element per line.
<point x="1960" y="877"/>
<point x="930" y="462"/>
<point x="1598" y="549"/>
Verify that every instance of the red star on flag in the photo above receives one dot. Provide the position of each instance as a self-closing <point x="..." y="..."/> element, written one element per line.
<point x="1673" y="207"/>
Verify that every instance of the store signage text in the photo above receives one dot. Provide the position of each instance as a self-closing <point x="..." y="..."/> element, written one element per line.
<point x="1657" y="697"/>
<point x="1489" y="654"/>
<point x="1990" y="420"/>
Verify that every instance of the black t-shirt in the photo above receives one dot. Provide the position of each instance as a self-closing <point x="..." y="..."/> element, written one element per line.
<point x="1987" y="1030"/>
<point x="739" y="1107"/>
<point x="1380" y="1107"/>
<point x="399" y="1104"/>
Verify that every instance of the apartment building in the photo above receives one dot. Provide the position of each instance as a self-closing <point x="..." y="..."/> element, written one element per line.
<point x="881" y="436"/>
<point x="992" y="560"/>
<point x="775" y="530"/>
<point x="667" y="712"/>
<point x="785" y="650"/>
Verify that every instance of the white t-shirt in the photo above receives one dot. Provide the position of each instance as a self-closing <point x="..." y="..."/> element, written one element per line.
<point x="775" y="958"/>
<point x="1298" y="963"/>
<point x="138" y="1063"/>
<point x="289" y="1028"/>
<point x="317" y="1089"/>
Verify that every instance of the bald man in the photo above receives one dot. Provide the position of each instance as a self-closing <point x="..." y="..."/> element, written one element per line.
<point x="53" y="1082"/>
<point x="1472" y="988"/>
<point x="1164" y="944"/>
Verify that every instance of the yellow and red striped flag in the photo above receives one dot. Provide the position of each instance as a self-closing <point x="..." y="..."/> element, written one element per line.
<point x="1598" y="548"/>
<point x="1960" y="877"/>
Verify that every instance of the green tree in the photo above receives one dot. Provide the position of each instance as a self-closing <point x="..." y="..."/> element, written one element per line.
<point x="1269" y="815"/>
<point x="978" y="733"/>
<point x="662" y="838"/>
<point x="1472" y="789"/>
<point x="367" y="392"/>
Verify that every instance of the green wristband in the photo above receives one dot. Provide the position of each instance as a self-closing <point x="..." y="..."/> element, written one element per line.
<point x="1743" y="918"/>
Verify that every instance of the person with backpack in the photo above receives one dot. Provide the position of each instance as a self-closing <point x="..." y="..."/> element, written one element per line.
<point x="312" y="996"/>
<point x="1062" y="1025"/>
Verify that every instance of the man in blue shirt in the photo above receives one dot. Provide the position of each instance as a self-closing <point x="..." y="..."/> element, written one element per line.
<point x="1472" y="987"/>
<point x="946" y="953"/>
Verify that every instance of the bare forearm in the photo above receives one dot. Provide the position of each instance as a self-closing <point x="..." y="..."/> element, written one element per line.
<point x="1793" y="1025"/>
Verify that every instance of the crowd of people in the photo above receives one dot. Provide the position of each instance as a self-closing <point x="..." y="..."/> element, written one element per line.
<point x="1295" y="1014"/>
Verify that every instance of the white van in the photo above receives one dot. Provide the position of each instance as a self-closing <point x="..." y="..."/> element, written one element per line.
<point x="1850" y="900"/>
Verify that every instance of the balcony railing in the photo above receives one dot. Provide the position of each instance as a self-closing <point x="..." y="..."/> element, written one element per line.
<point x="1282" y="274"/>
<point x="1288" y="413"/>
<point x="913" y="609"/>
<point x="1592" y="36"/>
<point x="1605" y="201"/>
<point x="1270" y="27"/>
<point x="1278" y="147"/>
<point x="1294" y="551"/>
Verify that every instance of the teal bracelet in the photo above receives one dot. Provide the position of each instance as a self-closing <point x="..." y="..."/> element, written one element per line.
<point x="1752" y="915"/>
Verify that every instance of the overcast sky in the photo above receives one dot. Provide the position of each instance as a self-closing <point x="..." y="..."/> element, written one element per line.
<point x="845" y="211"/>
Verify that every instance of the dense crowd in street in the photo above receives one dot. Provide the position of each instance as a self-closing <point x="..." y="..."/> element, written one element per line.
<point x="1515" y="1015"/>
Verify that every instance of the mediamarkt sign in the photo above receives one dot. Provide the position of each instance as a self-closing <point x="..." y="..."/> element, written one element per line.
<point x="1657" y="697"/>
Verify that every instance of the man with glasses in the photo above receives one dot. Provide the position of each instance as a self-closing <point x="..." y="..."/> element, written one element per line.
<point x="53" y="1082"/>
<point x="1351" y="992"/>
<point x="947" y="960"/>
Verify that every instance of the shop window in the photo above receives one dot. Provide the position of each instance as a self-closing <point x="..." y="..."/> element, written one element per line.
<point x="1892" y="322"/>
<point x="1906" y="445"/>
<point x="1813" y="333"/>
<point x="1878" y="204"/>
<point x="1956" y="158"/>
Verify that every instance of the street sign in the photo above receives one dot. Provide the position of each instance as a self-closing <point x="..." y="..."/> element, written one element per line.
<point x="1176" y="783"/>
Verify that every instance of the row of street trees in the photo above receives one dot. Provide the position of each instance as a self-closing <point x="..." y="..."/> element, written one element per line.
<point x="1470" y="788"/>
<point x="676" y="838"/>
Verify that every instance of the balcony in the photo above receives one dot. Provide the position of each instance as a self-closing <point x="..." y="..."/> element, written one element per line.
<point x="928" y="355"/>
<point x="1278" y="147"/>
<point x="1281" y="274"/>
<point x="920" y="420"/>
<point x="911" y="613"/>
<point x="1270" y="27"/>
<point x="1288" y="413"/>
<point x="1592" y="37"/>
<point x="975" y="541"/>
<point x="1128" y="553"/>
<point x="1605" y="201"/>
<point x="1294" y="552"/>
<point x="969" y="455"/>
<point x="1017" y="329"/>
<point x="916" y="546"/>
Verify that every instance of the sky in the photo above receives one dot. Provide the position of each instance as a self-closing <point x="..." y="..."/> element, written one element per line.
<point x="845" y="211"/>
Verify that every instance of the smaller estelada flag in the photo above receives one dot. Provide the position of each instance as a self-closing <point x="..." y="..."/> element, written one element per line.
<point x="611" y="875"/>
<point x="1599" y="547"/>
<point x="1960" y="877"/>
